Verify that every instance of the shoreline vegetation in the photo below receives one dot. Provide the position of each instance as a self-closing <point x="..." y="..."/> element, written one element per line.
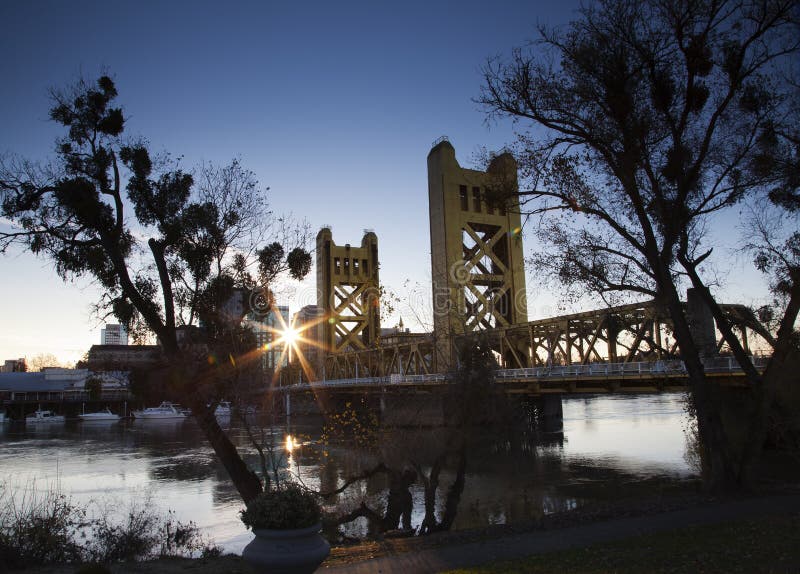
<point x="736" y="542"/>
<point x="41" y="526"/>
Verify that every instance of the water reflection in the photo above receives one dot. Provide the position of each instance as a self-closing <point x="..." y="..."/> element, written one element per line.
<point x="608" y="445"/>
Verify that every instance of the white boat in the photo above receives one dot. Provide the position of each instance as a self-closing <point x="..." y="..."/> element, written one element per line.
<point x="40" y="416"/>
<point x="104" y="415"/>
<point x="223" y="409"/>
<point x="165" y="410"/>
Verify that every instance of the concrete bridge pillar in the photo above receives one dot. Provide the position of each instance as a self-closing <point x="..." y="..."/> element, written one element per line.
<point x="551" y="413"/>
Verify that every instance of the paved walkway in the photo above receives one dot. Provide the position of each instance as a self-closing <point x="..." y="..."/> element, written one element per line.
<point x="536" y="542"/>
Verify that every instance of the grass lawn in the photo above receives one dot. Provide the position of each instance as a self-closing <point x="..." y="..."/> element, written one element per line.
<point x="759" y="545"/>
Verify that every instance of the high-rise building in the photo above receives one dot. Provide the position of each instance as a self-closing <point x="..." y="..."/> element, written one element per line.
<point x="267" y="328"/>
<point x="308" y="321"/>
<point x="113" y="335"/>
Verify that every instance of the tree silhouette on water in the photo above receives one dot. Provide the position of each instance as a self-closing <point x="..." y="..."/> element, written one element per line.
<point x="166" y="251"/>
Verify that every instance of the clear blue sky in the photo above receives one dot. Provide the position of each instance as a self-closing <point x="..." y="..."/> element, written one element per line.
<point x="334" y="105"/>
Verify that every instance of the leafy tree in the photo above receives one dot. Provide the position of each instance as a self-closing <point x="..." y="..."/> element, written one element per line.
<point x="166" y="251"/>
<point x="94" y="386"/>
<point x="647" y="118"/>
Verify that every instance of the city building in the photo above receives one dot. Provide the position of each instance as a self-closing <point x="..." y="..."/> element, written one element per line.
<point x="123" y="357"/>
<point x="67" y="377"/>
<point x="55" y="379"/>
<point x="113" y="335"/>
<point x="14" y="366"/>
<point x="267" y="328"/>
<point x="47" y="380"/>
<point x="308" y="321"/>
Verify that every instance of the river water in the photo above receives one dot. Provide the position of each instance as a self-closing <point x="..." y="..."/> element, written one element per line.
<point x="610" y="446"/>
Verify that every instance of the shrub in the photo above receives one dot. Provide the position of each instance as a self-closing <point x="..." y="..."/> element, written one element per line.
<point x="38" y="527"/>
<point x="130" y="538"/>
<point x="283" y="508"/>
<point x="142" y="534"/>
<point x="94" y="387"/>
<point x="46" y="527"/>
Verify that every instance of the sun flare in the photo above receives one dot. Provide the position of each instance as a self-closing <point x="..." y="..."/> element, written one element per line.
<point x="290" y="335"/>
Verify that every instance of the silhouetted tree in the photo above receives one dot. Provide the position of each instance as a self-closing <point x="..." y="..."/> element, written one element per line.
<point x="164" y="250"/>
<point x="94" y="386"/>
<point x="425" y="455"/>
<point x="648" y="118"/>
<point x="469" y="399"/>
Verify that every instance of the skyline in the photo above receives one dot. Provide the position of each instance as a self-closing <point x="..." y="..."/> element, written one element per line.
<point x="322" y="103"/>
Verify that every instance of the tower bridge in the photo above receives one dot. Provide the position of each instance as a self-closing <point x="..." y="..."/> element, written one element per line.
<point x="478" y="287"/>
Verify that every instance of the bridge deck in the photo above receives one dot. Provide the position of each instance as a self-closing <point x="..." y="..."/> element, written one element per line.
<point x="646" y="376"/>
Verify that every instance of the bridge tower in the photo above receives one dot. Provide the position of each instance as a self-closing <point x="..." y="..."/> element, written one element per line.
<point x="476" y="248"/>
<point x="347" y="292"/>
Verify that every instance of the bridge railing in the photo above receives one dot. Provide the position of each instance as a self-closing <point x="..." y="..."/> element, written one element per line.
<point x="68" y="395"/>
<point x="674" y="367"/>
<point x="593" y="370"/>
<point x="655" y="368"/>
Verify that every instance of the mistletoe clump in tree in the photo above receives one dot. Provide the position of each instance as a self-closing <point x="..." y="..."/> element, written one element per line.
<point x="167" y="250"/>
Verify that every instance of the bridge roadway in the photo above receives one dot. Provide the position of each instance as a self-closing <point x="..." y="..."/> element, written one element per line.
<point x="631" y="377"/>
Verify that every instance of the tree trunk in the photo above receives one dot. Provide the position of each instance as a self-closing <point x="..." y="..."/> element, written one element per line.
<point x="431" y="484"/>
<point x="456" y="490"/>
<point x="779" y="372"/>
<point x="722" y="470"/>
<point x="245" y="480"/>
<point x="765" y="386"/>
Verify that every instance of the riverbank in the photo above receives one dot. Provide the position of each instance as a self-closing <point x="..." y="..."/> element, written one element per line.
<point x="580" y="529"/>
<point x="666" y="526"/>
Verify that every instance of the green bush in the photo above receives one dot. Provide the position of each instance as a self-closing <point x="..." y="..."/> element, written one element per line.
<point x="282" y="508"/>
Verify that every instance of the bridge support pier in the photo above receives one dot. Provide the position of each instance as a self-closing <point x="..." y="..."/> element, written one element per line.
<point x="550" y="413"/>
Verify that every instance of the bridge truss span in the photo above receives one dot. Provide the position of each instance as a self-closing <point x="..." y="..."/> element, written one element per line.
<point x="636" y="333"/>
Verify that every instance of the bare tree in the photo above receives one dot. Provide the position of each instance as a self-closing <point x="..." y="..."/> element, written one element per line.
<point x="42" y="360"/>
<point x="645" y="119"/>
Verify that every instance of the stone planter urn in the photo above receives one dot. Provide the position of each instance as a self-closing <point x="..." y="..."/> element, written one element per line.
<point x="292" y="551"/>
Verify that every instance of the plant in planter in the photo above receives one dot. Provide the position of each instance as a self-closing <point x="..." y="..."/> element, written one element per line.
<point x="286" y="522"/>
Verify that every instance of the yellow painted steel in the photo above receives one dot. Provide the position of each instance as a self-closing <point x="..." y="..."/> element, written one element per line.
<point x="476" y="248"/>
<point x="348" y="292"/>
